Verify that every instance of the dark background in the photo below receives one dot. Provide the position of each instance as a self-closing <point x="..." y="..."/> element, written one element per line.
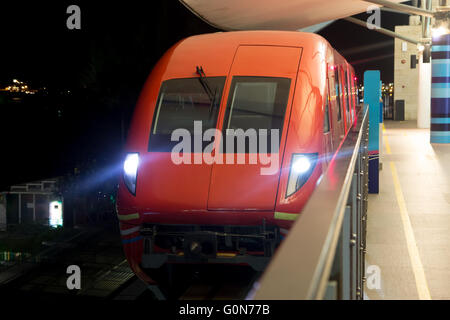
<point x="92" y="77"/>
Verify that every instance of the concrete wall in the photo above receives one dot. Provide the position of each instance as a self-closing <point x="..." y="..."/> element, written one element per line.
<point x="405" y="78"/>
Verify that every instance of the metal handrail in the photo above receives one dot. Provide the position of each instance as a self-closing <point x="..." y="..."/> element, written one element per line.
<point x="302" y="266"/>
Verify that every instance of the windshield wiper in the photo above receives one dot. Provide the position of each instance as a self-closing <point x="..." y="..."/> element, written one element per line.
<point x="205" y="85"/>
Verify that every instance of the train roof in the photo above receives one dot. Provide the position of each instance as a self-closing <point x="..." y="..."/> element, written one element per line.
<point x="279" y="38"/>
<point x="216" y="50"/>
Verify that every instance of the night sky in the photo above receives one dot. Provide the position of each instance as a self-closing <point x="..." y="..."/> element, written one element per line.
<point x="93" y="76"/>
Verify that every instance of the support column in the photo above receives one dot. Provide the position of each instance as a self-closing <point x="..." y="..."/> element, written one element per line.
<point x="372" y="97"/>
<point x="440" y="90"/>
<point x="424" y="94"/>
<point x="424" y="90"/>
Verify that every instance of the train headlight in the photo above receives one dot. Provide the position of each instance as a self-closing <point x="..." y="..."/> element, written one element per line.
<point x="130" y="168"/>
<point x="302" y="166"/>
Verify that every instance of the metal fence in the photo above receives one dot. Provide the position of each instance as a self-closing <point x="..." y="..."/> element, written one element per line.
<point x="323" y="254"/>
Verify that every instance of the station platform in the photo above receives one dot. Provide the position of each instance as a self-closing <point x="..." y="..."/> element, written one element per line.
<point x="408" y="223"/>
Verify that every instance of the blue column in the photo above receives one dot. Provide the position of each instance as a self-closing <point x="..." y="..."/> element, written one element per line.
<point x="372" y="96"/>
<point x="440" y="90"/>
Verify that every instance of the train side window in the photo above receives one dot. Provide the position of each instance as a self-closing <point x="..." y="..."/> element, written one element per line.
<point x="326" y="116"/>
<point x="347" y="93"/>
<point x="337" y="83"/>
<point x="326" y="119"/>
<point x="352" y="95"/>
<point x="256" y="103"/>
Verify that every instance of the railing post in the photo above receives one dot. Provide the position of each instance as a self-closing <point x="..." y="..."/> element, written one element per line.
<point x="345" y="263"/>
<point x="353" y="199"/>
<point x="361" y="221"/>
<point x="332" y="291"/>
<point x="365" y="192"/>
<point x="352" y="244"/>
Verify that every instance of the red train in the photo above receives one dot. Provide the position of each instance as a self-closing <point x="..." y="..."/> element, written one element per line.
<point x="174" y="204"/>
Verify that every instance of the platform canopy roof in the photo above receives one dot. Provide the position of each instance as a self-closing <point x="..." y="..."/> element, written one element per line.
<point x="273" y="14"/>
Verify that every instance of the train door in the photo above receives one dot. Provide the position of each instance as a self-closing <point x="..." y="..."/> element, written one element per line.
<point x="259" y="99"/>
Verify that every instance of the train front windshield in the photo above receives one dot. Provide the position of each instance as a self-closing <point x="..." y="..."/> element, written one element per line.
<point x="257" y="103"/>
<point x="180" y="103"/>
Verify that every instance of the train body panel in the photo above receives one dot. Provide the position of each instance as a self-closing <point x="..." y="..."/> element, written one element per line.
<point x="293" y="83"/>
<point x="227" y="181"/>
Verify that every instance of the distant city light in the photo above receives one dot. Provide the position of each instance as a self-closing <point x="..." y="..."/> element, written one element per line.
<point x="19" y="86"/>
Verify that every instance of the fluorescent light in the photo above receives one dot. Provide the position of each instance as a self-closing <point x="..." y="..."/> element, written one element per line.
<point x="440" y="31"/>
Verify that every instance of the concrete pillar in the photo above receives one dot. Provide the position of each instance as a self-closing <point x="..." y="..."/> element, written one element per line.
<point x="406" y="79"/>
<point x="424" y="94"/>
<point x="372" y="96"/>
<point x="440" y="90"/>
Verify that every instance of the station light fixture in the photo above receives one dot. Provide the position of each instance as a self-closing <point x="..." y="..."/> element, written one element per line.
<point x="437" y="32"/>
